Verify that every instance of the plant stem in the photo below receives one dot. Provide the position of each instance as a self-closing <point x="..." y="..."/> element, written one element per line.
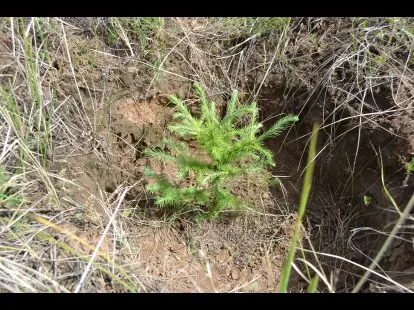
<point x="307" y="184"/>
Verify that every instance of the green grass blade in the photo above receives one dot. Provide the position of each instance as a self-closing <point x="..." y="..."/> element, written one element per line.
<point x="385" y="188"/>
<point x="313" y="285"/>
<point x="307" y="184"/>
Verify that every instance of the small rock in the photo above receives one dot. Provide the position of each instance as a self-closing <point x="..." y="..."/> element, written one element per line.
<point x="153" y="92"/>
<point x="132" y="69"/>
<point x="179" y="249"/>
<point x="126" y="79"/>
<point x="182" y="93"/>
<point x="235" y="274"/>
<point x="222" y="257"/>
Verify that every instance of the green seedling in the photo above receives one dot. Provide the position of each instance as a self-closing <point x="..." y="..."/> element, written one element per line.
<point x="234" y="145"/>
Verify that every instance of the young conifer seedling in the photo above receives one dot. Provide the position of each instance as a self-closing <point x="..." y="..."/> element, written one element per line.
<point x="234" y="145"/>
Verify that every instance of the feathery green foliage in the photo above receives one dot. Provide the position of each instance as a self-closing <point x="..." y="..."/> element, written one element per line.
<point x="410" y="166"/>
<point x="234" y="150"/>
